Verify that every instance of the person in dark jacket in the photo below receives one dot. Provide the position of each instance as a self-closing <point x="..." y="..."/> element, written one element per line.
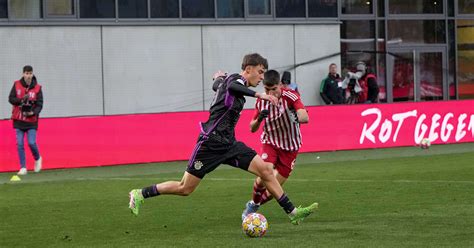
<point x="330" y="89"/>
<point x="26" y="96"/>
<point x="286" y="81"/>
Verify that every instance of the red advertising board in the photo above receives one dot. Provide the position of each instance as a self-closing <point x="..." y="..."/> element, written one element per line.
<point x="142" y="138"/>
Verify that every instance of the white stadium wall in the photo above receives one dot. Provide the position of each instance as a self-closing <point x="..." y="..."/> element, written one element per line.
<point x="152" y="69"/>
<point x="66" y="61"/>
<point x="108" y="70"/>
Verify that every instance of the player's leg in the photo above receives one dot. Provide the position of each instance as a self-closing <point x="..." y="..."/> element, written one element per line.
<point x="184" y="188"/>
<point x="204" y="160"/>
<point x="265" y="172"/>
<point x="266" y="196"/>
<point x="270" y="155"/>
<point x="260" y="195"/>
<point x="283" y="168"/>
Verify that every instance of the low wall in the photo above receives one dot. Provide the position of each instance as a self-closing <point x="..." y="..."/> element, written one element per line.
<point x="142" y="138"/>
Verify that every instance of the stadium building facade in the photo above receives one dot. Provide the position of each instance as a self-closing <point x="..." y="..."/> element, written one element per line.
<point x="107" y="57"/>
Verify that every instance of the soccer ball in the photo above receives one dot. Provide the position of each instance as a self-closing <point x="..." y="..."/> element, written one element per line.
<point x="255" y="225"/>
<point x="425" y="143"/>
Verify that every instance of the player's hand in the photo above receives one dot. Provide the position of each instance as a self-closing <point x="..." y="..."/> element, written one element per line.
<point x="25" y="98"/>
<point x="219" y="74"/>
<point x="273" y="100"/>
<point x="263" y="114"/>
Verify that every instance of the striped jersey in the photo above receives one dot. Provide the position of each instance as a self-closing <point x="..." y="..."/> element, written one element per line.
<point x="281" y="128"/>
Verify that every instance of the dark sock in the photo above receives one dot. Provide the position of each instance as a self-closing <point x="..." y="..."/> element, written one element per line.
<point x="286" y="204"/>
<point x="150" y="191"/>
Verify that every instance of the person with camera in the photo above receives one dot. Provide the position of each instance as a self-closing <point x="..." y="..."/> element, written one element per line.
<point x="362" y="84"/>
<point x="26" y="96"/>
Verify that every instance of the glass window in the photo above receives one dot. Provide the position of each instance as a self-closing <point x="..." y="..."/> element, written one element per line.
<point x="357" y="7"/>
<point x="452" y="59"/>
<point x="451" y="8"/>
<point x="415" y="7"/>
<point x="465" y="44"/>
<point x="197" y="8"/>
<point x="133" y="9"/>
<point x="3" y="9"/>
<point x="420" y="31"/>
<point x="431" y="76"/>
<point x="402" y="77"/>
<point x="230" y="8"/>
<point x="25" y="9"/>
<point x="290" y="8"/>
<point x="380" y="56"/>
<point x="322" y="8"/>
<point x="357" y="44"/>
<point x="362" y="29"/>
<point x="164" y="8"/>
<point x="97" y="8"/>
<point x="381" y="8"/>
<point x="259" y="7"/>
<point x="59" y="7"/>
<point x="466" y="6"/>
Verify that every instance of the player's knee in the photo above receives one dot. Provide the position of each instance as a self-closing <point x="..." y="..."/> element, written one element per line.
<point x="266" y="171"/>
<point x="259" y="181"/>
<point x="185" y="191"/>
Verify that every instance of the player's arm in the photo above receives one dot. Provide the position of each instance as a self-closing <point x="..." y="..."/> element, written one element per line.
<point x="217" y="82"/>
<point x="301" y="113"/>
<point x="238" y="88"/>
<point x="218" y="78"/>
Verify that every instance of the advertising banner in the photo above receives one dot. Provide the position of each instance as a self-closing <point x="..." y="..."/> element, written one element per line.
<point x="142" y="138"/>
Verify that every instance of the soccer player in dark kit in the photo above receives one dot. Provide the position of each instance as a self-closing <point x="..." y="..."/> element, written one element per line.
<point x="217" y="145"/>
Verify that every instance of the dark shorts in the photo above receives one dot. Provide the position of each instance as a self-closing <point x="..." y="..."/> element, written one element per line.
<point x="208" y="155"/>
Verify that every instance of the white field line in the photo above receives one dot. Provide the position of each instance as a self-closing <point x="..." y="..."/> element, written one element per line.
<point x="292" y="180"/>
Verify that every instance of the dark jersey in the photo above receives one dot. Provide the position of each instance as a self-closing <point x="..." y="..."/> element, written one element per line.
<point x="225" y="111"/>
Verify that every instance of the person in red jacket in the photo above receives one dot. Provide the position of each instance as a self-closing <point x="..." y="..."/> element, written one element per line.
<point x="26" y="97"/>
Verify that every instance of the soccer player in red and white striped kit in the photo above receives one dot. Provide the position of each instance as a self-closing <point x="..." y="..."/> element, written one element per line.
<point x="281" y="136"/>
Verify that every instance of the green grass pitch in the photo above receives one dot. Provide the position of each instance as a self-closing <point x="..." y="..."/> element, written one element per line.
<point x="400" y="197"/>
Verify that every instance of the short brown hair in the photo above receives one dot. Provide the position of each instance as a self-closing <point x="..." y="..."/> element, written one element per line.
<point x="254" y="59"/>
<point x="271" y="78"/>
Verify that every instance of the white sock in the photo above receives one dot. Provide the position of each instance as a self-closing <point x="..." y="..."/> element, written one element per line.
<point x="293" y="213"/>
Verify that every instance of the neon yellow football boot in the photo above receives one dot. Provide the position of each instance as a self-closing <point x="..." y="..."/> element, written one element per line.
<point x="302" y="213"/>
<point x="136" y="200"/>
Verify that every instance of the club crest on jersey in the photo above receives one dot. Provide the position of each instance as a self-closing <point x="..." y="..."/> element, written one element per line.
<point x="264" y="155"/>
<point x="198" y="165"/>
